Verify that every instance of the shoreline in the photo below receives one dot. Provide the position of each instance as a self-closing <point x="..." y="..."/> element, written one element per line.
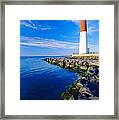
<point x="88" y="70"/>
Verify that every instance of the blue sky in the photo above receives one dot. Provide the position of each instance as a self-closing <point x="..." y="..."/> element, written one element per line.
<point x="55" y="37"/>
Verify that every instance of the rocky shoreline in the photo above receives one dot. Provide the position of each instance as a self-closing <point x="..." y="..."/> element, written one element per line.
<point x="87" y="86"/>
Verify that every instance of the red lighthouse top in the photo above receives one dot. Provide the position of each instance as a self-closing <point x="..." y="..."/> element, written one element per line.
<point x="83" y="25"/>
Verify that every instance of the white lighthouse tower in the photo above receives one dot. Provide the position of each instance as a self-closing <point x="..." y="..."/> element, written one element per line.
<point x="83" y="37"/>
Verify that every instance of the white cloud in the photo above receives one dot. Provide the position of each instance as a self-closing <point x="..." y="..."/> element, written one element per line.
<point x="92" y="27"/>
<point x="49" y="43"/>
<point x="48" y="28"/>
<point x="52" y="43"/>
<point x="76" y="22"/>
<point x="30" y="24"/>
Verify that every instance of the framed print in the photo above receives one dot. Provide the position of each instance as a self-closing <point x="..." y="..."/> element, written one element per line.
<point x="59" y="60"/>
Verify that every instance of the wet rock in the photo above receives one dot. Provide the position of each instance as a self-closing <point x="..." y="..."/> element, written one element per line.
<point x="87" y="87"/>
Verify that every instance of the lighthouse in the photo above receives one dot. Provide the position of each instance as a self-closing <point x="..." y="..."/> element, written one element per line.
<point x="83" y="37"/>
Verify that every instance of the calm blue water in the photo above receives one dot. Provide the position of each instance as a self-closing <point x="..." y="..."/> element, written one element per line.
<point x="42" y="81"/>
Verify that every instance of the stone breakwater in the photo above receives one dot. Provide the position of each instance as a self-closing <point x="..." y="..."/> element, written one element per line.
<point x="87" y="86"/>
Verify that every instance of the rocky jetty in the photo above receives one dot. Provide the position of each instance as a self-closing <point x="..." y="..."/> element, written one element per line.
<point x="87" y="86"/>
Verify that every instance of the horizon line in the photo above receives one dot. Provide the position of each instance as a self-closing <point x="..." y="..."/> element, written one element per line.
<point x="42" y="55"/>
